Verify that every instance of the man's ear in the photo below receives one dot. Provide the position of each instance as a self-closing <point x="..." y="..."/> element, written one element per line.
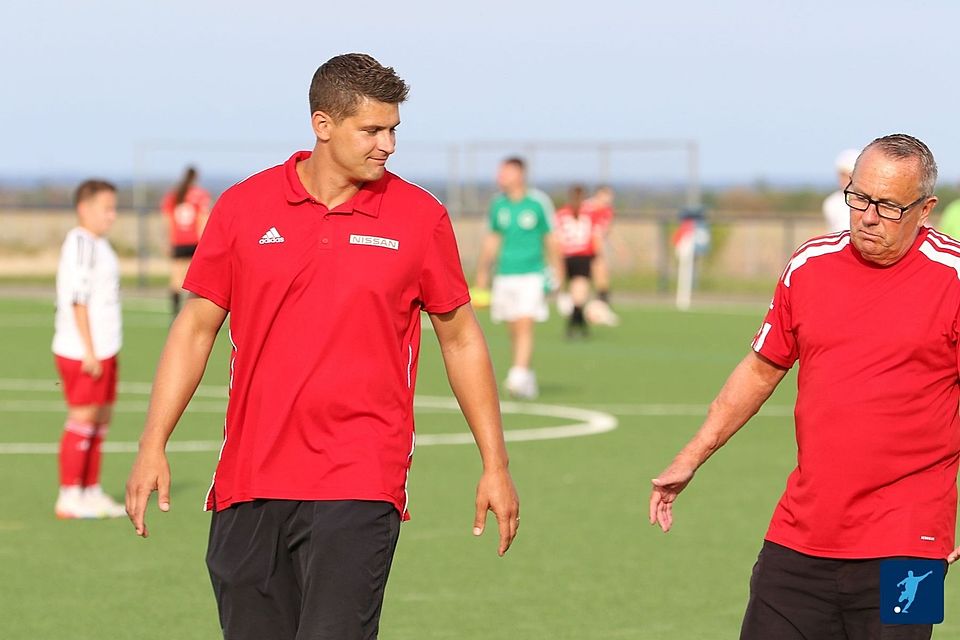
<point x="928" y="207"/>
<point x="322" y="124"/>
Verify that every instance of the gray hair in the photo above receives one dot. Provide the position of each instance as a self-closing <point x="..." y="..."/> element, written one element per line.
<point x="900" y="146"/>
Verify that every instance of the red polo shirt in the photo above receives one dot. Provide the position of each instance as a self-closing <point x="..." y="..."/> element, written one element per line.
<point x="325" y="326"/>
<point x="878" y="434"/>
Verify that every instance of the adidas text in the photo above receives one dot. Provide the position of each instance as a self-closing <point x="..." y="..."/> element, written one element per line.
<point x="271" y="237"/>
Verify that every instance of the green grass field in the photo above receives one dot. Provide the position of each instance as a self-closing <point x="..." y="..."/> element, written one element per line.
<point x="586" y="564"/>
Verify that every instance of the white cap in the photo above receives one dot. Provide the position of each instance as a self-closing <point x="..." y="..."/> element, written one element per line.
<point x="845" y="161"/>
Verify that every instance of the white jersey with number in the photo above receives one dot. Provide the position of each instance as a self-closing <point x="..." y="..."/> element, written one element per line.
<point x="88" y="274"/>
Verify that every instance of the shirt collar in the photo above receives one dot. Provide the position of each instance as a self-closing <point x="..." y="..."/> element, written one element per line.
<point x="366" y="200"/>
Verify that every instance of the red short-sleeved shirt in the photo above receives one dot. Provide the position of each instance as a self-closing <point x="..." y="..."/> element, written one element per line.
<point x="325" y="325"/>
<point x="877" y="426"/>
<point x="602" y="216"/>
<point x="578" y="234"/>
<point x="184" y="218"/>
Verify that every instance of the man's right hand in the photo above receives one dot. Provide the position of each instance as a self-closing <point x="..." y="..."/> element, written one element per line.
<point x="666" y="487"/>
<point x="150" y="473"/>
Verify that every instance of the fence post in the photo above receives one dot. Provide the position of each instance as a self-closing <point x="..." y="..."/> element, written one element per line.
<point x="663" y="254"/>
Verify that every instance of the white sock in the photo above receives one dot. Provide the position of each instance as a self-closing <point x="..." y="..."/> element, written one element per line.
<point x="74" y="491"/>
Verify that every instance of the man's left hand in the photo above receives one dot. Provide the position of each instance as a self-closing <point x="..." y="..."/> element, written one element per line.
<point x="496" y="493"/>
<point x="954" y="556"/>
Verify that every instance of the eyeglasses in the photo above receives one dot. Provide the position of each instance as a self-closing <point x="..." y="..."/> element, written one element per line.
<point x="886" y="210"/>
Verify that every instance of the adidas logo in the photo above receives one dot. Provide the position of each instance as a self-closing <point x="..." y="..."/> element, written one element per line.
<point x="271" y="237"/>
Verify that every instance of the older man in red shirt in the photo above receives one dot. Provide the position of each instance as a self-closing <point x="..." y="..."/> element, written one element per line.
<point x="872" y="315"/>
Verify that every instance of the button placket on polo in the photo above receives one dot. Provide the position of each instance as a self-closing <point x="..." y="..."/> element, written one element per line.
<point x="325" y="235"/>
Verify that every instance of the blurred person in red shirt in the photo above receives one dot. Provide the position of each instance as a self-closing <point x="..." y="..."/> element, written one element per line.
<point x="581" y="243"/>
<point x="186" y="208"/>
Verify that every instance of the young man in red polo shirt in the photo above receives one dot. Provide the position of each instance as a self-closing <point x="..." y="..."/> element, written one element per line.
<point x="872" y="315"/>
<point x="324" y="265"/>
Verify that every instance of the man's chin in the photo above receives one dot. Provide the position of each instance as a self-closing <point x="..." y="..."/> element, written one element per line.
<point x="374" y="173"/>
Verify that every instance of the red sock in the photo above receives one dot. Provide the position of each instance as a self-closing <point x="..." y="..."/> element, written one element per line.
<point x="91" y="471"/>
<point x="73" y="452"/>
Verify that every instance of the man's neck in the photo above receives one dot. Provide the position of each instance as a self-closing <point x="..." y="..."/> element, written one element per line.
<point x="323" y="184"/>
<point x="517" y="193"/>
<point x="88" y="230"/>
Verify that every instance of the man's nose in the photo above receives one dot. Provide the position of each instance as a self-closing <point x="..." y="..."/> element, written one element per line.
<point x="387" y="142"/>
<point x="871" y="215"/>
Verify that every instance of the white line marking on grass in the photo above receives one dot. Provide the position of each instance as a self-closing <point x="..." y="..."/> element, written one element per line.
<point x="132" y="388"/>
<point x="586" y="422"/>
<point x="33" y="321"/>
<point x="769" y="411"/>
<point x="422" y="402"/>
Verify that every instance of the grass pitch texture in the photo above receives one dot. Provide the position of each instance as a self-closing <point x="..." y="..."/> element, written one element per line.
<point x="586" y="564"/>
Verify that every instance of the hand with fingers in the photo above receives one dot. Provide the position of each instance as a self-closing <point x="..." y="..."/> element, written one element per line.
<point x="666" y="487"/>
<point x="496" y="493"/>
<point x="954" y="556"/>
<point x="91" y="366"/>
<point x="151" y="472"/>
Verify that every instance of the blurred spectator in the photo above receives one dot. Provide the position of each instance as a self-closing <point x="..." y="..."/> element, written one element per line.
<point x="579" y="238"/>
<point x="950" y="220"/>
<point x="835" y="210"/>
<point x="520" y="241"/>
<point x="600" y="208"/>
<point x="186" y="208"/>
<point x="86" y="341"/>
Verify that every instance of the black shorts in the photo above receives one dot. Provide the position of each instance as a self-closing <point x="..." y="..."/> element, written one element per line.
<point x="183" y="250"/>
<point x="794" y="596"/>
<point x="578" y="266"/>
<point x="286" y="569"/>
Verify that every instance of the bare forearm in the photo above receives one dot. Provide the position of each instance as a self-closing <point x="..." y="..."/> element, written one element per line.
<point x="82" y="318"/>
<point x="473" y="383"/>
<point x="179" y="372"/>
<point x="470" y="372"/>
<point x="742" y="395"/>
<point x="554" y="255"/>
<point x="488" y="253"/>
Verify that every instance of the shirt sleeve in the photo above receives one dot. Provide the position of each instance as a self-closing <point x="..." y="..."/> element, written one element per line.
<point x="776" y="340"/>
<point x="549" y="212"/>
<point x="210" y="274"/>
<point x="443" y="287"/>
<point x="203" y="201"/>
<point x="956" y="337"/>
<point x="493" y="220"/>
<point x="166" y="204"/>
<point x="80" y="259"/>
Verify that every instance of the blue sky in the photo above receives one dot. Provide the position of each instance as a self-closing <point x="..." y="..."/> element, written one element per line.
<point x="769" y="89"/>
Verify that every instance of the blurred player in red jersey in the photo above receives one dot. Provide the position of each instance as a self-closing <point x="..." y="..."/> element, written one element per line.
<point x="600" y="208"/>
<point x="580" y="243"/>
<point x="186" y="208"/>
<point x="86" y="341"/>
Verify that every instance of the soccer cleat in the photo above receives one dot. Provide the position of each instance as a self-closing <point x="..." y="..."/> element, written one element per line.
<point x="599" y="312"/>
<point x="101" y="504"/>
<point x="521" y="384"/>
<point x="71" y="505"/>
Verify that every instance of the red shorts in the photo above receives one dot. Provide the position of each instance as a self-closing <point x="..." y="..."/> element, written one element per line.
<point x="81" y="389"/>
